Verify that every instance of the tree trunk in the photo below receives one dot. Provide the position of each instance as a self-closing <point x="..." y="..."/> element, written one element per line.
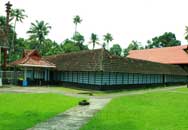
<point x="93" y="46"/>
<point x="75" y="29"/>
<point x="107" y="46"/>
<point x="5" y="58"/>
<point x="13" y="46"/>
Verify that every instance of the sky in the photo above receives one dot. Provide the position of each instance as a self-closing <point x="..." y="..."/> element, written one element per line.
<point x="126" y="20"/>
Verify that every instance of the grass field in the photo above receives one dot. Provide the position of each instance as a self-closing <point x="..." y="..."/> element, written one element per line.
<point x="151" y="111"/>
<point x="184" y="89"/>
<point x="102" y="93"/>
<point x="21" y="111"/>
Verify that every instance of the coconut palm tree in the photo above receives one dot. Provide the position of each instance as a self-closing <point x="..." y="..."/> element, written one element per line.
<point x="2" y="30"/>
<point x="186" y="32"/>
<point x="94" y="40"/>
<point x="18" y="16"/>
<point x="76" y="21"/>
<point x="79" y="40"/>
<point x="108" y="38"/>
<point x="39" y="30"/>
<point x="3" y="39"/>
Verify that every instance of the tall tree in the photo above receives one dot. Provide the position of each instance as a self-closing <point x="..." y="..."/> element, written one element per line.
<point x="3" y="38"/>
<point x="94" y="40"/>
<point x="20" y="45"/>
<point x="108" y="38"/>
<point x="116" y="50"/>
<point x="18" y="15"/>
<point x="50" y="47"/>
<point x="186" y="33"/>
<point x="79" y="40"/>
<point x="3" y="23"/>
<point x="168" y="39"/>
<point x="39" y="30"/>
<point x="69" y="46"/>
<point x="76" y="21"/>
<point x="3" y="29"/>
<point x="134" y="45"/>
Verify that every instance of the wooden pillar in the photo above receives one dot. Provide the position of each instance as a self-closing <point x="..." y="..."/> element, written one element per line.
<point x="116" y="78"/>
<point x="33" y="73"/>
<point x="25" y="73"/>
<point x="72" y="75"/>
<point x="77" y="76"/>
<point x="109" y="78"/>
<point x="82" y="75"/>
<point x="88" y="77"/>
<point x="122" y="78"/>
<point x="68" y="76"/>
<point x="46" y="74"/>
<point x="47" y="71"/>
<point x="101" y="78"/>
<point x="133" y="78"/>
<point x="95" y="77"/>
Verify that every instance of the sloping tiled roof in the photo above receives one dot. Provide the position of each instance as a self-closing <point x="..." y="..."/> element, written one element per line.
<point x="102" y="60"/>
<point x="77" y="61"/>
<point x="167" y="55"/>
<point x="32" y="58"/>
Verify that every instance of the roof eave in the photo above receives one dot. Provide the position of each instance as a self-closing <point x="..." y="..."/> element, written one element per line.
<point x="38" y="66"/>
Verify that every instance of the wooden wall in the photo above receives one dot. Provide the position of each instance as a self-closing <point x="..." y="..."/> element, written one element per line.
<point x="114" y="78"/>
<point x="38" y="73"/>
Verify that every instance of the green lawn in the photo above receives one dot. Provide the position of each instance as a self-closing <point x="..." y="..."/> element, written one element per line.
<point x="151" y="111"/>
<point x="76" y="90"/>
<point x="21" y="111"/>
<point x="184" y="89"/>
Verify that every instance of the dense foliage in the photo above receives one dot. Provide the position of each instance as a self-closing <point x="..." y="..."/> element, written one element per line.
<point x="134" y="45"/>
<point x="116" y="50"/>
<point x="38" y="33"/>
<point x="168" y="39"/>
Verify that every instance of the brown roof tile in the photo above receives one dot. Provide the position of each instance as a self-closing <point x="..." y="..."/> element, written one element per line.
<point x="102" y="60"/>
<point x="31" y="58"/>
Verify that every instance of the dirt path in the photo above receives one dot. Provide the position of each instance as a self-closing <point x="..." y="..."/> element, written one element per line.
<point x="110" y="95"/>
<point x="141" y="92"/>
<point x="73" y="119"/>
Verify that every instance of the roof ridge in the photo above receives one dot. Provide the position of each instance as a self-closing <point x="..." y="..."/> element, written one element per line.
<point x="27" y="57"/>
<point x="75" y="52"/>
<point x="101" y="60"/>
<point x="104" y="54"/>
<point x="157" y="48"/>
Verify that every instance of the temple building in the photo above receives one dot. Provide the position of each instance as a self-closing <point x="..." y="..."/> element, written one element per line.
<point x="35" y="68"/>
<point x="97" y="69"/>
